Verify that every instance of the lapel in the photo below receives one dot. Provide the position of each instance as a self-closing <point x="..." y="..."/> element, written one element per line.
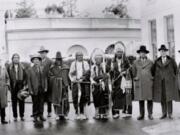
<point x="143" y="64"/>
<point x="35" y="70"/>
<point x="159" y="62"/>
<point x="146" y="63"/>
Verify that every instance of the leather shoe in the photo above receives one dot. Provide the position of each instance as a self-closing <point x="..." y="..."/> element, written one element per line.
<point x="163" y="116"/>
<point x="150" y="117"/>
<point x="22" y="119"/>
<point x="140" y="118"/>
<point x="4" y="122"/>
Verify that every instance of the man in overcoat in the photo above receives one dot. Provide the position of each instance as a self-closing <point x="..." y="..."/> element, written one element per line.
<point x="165" y="83"/>
<point x="143" y="82"/>
<point x="37" y="85"/>
<point x="46" y="64"/>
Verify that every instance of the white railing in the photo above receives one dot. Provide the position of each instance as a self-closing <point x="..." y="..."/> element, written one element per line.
<point x="72" y="23"/>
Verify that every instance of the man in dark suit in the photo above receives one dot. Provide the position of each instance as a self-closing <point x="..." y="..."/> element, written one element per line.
<point x="165" y="87"/>
<point x="18" y="81"/>
<point x="46" y="64"/>
<point x="37" y="86"/>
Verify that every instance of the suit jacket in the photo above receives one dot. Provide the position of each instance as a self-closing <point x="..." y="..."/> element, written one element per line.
<point x="21" y="74"/>
<point x="33" y="81"/>
<point x="46" y="64"/>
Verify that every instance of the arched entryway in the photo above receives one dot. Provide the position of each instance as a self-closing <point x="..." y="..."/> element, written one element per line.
<point x="75" y="48"/>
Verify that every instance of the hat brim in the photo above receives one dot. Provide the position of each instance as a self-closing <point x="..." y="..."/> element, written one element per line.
<point x="165" y="49"/>
<point x="145" y="51"/>
<point x="36" y="57"/>
<point x="43" y="51"/>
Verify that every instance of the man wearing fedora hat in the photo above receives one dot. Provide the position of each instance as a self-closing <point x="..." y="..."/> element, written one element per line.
<point x="165" y="90"/>
<point x="37" y="84"/>
<point x="143" y="82"/>
<point x="59" y="83"/>
<point x="46" y="63"/>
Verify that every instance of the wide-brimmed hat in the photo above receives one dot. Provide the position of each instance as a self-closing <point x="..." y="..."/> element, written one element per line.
<point x="142" y="49"/>
<point x="42" y="49"/>
<point x="163" y="47"/>
<point x="35" y="56"/>
<point x="58" y="55"/>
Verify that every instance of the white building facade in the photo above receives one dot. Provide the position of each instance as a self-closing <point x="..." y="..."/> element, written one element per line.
<point x="25" y="36"/>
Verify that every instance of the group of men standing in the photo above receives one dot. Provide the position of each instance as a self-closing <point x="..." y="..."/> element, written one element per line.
<point x="115" y="82"/>
<point x="155" y="82"/>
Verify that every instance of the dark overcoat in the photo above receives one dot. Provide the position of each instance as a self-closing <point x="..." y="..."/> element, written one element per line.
<point x="46" y="64"/>
<point x="168" y="72"/>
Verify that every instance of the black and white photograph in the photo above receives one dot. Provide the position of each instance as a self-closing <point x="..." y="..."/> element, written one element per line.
<point x="89" y="67"/>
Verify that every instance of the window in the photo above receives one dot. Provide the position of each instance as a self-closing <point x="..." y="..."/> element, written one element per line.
<point x="153" y="38"/>
<point x="170" y="35"/>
